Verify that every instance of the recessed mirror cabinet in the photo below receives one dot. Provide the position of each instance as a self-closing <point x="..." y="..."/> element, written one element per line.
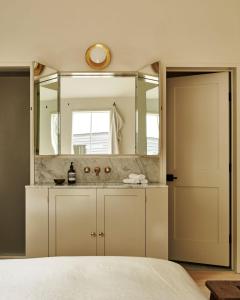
<point x="97" y="113"/>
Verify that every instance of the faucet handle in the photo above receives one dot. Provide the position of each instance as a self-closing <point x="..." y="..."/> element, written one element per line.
<point x="97" y="170"/>
<point x="87" y="170"/>
<point x="107" y="170"/>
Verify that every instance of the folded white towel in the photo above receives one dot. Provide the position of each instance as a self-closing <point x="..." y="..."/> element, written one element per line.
<point x="131" y="180"/>
<point x="136" y="176"/>
<point x="135" y="181"/>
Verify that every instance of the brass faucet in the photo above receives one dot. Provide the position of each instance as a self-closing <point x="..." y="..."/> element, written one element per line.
<point x="97" y="170"/>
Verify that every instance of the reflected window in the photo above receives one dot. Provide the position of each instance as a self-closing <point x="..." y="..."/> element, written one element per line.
<point x="152" y="122"/>
<point x="54" y="132"/>
<point x="91" y="132"/>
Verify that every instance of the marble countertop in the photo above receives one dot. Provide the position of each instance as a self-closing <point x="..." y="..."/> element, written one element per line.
<point x="86" y="185"/>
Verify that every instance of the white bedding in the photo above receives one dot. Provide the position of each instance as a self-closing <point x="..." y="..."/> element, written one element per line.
<point x="95" y="278"/>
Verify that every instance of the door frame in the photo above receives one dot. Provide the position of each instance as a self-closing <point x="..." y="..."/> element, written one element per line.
<point x="235" y="140"/>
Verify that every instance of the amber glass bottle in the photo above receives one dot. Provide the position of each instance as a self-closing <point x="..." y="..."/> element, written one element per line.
<point x="71" y="174"/>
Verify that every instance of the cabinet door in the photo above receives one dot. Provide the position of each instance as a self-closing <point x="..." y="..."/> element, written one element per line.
<point x="72" y="222"/>
<point x="121" y="219"/>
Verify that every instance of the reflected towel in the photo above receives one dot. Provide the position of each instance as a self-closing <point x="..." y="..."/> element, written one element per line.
<point x="116" y="128"/>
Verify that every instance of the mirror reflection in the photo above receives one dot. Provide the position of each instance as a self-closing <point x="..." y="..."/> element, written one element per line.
<point x="48" y="117"/>
<point x="97" y="115"/>
<point x="47" y="112"/>
<point x="148" y="115"/>
<point x="100" y="113"/>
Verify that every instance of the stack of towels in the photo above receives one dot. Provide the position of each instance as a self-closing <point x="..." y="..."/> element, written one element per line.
<point x="135" y="179"/>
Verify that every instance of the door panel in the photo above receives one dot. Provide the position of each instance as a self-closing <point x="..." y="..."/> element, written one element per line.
<point x="122" y="219"/>
<point x="198" y="155"/>
<point x="189" y="209"/>
<point x="72" y="220"/>
<point x="14" y="159"/>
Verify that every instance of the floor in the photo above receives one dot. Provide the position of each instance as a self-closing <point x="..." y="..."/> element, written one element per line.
<point x="201" y="274"/>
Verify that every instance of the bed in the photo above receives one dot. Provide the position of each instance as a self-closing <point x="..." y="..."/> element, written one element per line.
<point x="95" y="278"/>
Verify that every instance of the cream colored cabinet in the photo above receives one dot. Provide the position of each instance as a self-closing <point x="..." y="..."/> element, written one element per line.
<point x="97" y="221"/>
<point x="121" y="220"/>
<point x="72" y="222"/>
<point x="36" y="211"/>
<point x="157" y="222"/>
<point x="113" y="223"/>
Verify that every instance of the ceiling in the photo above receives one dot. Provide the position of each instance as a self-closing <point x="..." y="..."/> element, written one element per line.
<point x="138" y="32"/>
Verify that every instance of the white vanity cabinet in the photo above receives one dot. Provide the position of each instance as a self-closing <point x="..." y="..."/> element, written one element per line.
<point x="69" y="221"/>
<point x="36" y="224"/>
<point x="121" y="222"/>
<point x="97" y="222"/>
<point x="72" y="222"/>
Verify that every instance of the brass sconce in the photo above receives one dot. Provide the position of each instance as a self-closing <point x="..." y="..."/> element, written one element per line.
<point x="98" y="56"/>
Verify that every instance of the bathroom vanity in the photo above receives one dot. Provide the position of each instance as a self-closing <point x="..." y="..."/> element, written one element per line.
<point x="97" y="219"/>
<point x="114" y="126"/>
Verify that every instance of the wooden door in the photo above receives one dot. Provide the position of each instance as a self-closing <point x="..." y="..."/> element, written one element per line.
<point x="72" y="222"/>
<point x="198" y="155"/>
<point x="121" y="222"/>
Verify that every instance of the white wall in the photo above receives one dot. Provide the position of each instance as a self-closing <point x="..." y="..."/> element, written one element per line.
<point x="58" y="32"/>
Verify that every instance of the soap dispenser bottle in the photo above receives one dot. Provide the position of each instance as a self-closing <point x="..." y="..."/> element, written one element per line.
<point x="71" y="174"/>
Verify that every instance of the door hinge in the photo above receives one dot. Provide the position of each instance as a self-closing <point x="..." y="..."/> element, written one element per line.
<point x="230" y="96"/>
<point x="230" y="239"/>
<point x="230" y="168"/>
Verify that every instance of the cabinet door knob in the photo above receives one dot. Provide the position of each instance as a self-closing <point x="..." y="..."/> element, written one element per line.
<point x="93" y="234"/>
<point x="101" y="234"/>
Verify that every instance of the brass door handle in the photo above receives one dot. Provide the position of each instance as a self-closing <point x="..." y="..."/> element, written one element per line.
<point x="93" y="234"/>
<point x="101" y="234"/>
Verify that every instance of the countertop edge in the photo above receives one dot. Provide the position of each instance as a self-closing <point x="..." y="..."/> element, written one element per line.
<point x="99" y="186"/>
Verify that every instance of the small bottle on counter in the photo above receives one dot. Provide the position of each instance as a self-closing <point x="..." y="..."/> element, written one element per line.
<point x="71" y="174"/>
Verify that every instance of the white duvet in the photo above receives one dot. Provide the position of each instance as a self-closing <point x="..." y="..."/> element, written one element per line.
<point x="95" y="278"/>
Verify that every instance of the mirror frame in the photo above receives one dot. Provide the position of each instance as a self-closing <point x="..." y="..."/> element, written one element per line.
<point x="136" y="74"/>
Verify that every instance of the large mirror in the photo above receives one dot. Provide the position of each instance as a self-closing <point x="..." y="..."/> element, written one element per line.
<point x="97" y="114"/>
<point x="46" y="110"/>
<point x="148" y="114"/>
<point x="100" y="113"/>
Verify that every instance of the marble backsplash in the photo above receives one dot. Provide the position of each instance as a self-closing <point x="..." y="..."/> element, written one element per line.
<point x="49" y="167"/>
